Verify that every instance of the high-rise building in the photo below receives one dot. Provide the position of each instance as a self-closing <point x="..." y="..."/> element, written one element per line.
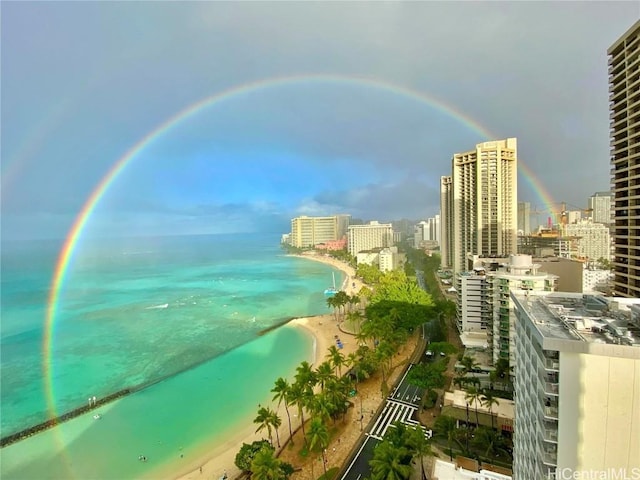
<point x="600" y="206"/>
<point x="577" y="386"/>
<point x="485" y="201"/>
<point x="593" y="239"/>
<point x="624" y="107"/>
<point x="524" y="218"/>
<point x="446" y="222"/>
<point x="370" y="236"/>
<point x="311" y="231"/>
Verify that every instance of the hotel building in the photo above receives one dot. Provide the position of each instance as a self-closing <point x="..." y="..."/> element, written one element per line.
<point x="483" y="220"/>
<point x="577" y="385"/>
<point x="311" y="231"/>
<point x="624" y="107"/>
<point x="368" y="237"/>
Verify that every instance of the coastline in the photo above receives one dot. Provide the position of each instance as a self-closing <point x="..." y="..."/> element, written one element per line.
<point x="322" y="329"/>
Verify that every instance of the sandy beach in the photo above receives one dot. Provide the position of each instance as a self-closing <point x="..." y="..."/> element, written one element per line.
<point x="323" y="328"/>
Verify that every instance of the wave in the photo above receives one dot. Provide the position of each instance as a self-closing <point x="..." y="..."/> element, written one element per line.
<point x="164" y="305"/>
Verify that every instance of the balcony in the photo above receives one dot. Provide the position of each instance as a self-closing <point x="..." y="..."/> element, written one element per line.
<point x="550" y="388"/>
<point x="550" y="458"/>
<point x="551" y="364"/>
<point x="550" y="435"/>
<point x="551" y="412"/>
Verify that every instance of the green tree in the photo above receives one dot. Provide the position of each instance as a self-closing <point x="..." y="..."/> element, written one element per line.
<point x="265" y="421"/>
<point x="489" y="400"/>
<point x="324" y="373"/>
<point x="337" y="359"/>
<point x="319" y="438"/>
<point x="281" y="391"/>
<point x="473" y="396"/>
<point x="447" y="429"/>
<point x="419" y="445"/>
<point x="389" y="462"/>
<point x="491" y="442"/>
<point x="299" y="397"/>
<point x="247" y="452"/>
<point x="266" y="466"/>
<point x="276" y="422"/>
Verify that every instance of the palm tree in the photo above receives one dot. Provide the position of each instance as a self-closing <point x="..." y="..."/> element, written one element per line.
<point x="489" y="400"/>
<point x="265" y="466"/>
<point x="305" y="376"/>
<point x="388" y="462"/>
<point x="420" y="446"/>
<point x="332" y="303"/>
<point x="323" y="374"/>
<point x="447" y="429"/>
<point x="319" y="437"/>
<point x="336" y="358"/>
<point x="473" y="395"/>
<point x="276" y="422"/>
<point x="491" y="441"/>
<point x="298" y="396"/>
<point x="264" y="420"/>
<point x="281" y="391"/>
<point x="468" y="364"/>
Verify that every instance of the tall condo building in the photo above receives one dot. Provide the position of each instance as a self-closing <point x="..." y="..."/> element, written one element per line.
<point x="524" y="218"/>
<point x="368" y="237"/>
<point x="577" y="386"/>
<point x="624" y="105"/>
<point x="484" y="217"/>
<point x="600" y="206"/>
<point x="311" y="231"/>
<point x="593" y="240"/>
<point x="446" y="222"/>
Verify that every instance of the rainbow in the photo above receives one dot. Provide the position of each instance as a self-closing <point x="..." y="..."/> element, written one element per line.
<point x="75" y="233"/>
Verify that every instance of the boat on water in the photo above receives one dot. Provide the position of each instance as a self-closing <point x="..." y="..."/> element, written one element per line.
<point x="331" y="291"/>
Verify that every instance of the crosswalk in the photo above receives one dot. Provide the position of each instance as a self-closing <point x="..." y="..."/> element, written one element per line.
<point x="395" y="411"/>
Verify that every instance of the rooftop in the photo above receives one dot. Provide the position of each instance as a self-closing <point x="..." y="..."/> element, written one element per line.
<point x="587" y="318"/>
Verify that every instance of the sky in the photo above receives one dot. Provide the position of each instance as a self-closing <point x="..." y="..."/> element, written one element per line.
<point x="238" y="116"/>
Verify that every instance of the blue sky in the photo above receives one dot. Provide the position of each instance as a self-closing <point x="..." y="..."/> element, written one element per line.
<point x="82" y="82"/>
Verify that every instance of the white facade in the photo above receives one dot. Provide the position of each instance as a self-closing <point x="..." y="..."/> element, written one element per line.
<point x="419" y="234"/>
<point x="592" y="278"/>
<point x="388" y="259"/>
<point x="472" y="294"/>
<point x="577" y="386"/>
<point x="600" y="206"/>
<point x="485" y="201"/>
<point x="368" y="237"/>
<point x="368" y="258"/>
<point x="594" y="239"/>
<point x="519" y="275"/>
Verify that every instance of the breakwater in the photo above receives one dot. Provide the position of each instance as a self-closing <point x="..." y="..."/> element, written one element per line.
<point x="52" y="422"/>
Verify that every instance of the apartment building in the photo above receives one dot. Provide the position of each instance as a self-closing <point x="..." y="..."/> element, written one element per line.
<point x="593" y="240"/>
<point x="484" y="191"/>
<point x="446" y="223"/>
<point x="577" y="385"/>
<point x="624" y="108"/>
<point x="368" y="237"/>
<point x="524" y="218"/>
<point x="600" y="207"/>
<point x="484" y="304"/>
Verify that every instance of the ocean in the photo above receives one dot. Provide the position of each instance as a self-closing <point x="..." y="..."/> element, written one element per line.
<point x="179" y="319"/>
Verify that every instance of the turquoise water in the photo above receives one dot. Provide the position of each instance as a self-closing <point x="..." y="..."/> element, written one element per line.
<point x="181" y="311"/>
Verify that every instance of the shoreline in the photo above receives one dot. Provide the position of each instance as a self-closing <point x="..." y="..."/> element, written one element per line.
<point x="322" y="329"/>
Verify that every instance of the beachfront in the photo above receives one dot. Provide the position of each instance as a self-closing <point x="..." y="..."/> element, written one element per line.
<point x="324" y="329"/>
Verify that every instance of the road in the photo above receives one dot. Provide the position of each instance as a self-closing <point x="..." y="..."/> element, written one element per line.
<point x="402" y="405"/>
